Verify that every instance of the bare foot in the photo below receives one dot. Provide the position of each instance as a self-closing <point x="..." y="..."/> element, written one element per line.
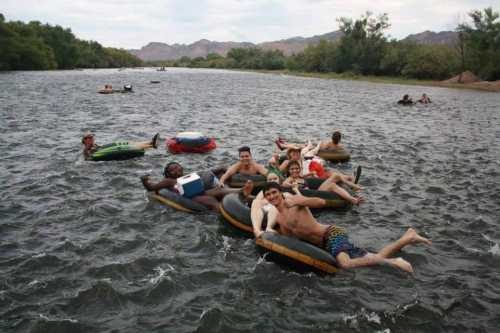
<point x="356" y="188"/>
<point x="247" y="189"/>
<point x="357" y="200"/>
<point x="411" y="237"/>
<point x="401" y="264"/>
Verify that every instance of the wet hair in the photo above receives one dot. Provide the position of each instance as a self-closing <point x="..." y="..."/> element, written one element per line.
<point x="406" y="96"/>
<point x="290" y="150"/>
<point x="270" y="185"/>
<point x="275" y="174"/>
<point x="87" y="135"/>
<point x="244" y="148"/>
<point x="166" y="173"/>
<point x="292" y="163"/>
<point x="336" y="136"/>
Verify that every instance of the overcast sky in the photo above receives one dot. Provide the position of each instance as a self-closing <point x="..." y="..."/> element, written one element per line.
<point x="134" y="23"/>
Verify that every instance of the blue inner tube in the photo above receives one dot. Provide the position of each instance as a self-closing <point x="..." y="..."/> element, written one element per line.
<point x="193" y="142"/>
<point x="294" y="250"/>
<point x="116" y="151"/>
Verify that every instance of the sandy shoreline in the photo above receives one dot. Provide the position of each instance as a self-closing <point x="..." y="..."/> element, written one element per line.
<point x="493" y="86"/>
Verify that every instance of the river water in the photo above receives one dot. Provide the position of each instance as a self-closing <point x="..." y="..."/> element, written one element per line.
<point x="83" y="250"/>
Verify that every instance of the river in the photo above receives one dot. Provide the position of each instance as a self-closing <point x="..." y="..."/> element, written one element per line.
<point x="83" y="250"/>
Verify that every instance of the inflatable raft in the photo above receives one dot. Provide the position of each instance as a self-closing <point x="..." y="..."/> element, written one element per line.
<point x="181" y="203"/>
<point x="177" y="201"/>
<point x="190" y="142"/>
<point x="116" y="151"/>
<point x="293" y="250"/>
<point x="335" y="155"/>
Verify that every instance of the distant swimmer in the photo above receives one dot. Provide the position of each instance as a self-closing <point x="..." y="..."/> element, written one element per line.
<point x="424" y="99"/>
<point x="406" y="100"/>
<point x="335" y="143"/>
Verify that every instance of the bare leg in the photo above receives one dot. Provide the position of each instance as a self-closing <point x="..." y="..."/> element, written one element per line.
<point x="221" y="192"/>
<point x="410" y="237"/>
<point x="332" y="187"/>
<point x="257" y="215"/>
<point x="147" y="144"/>
<point x="372" y="260"/>
<point x="348" y="180"/>
<point x="208" y="201"/>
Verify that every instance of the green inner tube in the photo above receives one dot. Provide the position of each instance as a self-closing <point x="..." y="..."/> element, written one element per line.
<point x="284" y="247"/>
<point x="116" y="151"/>
<point x="335" y="155"/>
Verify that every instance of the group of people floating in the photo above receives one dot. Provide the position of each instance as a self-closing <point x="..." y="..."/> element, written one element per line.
<point x="288" y="211"/>
<point x="407" y="100"/>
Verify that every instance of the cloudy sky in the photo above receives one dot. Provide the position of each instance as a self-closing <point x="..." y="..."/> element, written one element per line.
<point x="134" y="23"/>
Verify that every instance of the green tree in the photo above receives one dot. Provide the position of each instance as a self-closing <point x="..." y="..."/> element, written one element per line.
<point x="363" y="43"/>
<point x="431" y="62"/>
<point x="482" y="42"/>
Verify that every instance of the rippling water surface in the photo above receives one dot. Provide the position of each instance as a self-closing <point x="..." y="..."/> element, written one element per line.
<point x="82" y="249"/>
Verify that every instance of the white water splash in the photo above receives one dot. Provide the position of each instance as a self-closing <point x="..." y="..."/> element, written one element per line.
<point x="161" y="273"/>
<point x="39" y="255"/>
<point x="46" y="318"/>
<point x="371" y="317"/>
<point x="495" y="248"/>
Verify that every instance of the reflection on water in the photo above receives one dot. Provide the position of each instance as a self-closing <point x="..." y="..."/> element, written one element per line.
<point x="81" y="248"/>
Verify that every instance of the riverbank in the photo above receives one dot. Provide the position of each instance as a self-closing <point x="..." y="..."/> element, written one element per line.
<point x="482" y="85"/>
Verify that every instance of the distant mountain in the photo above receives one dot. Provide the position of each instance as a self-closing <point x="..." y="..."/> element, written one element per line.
<point x="162" y="51"/>
<point x="431" y="38"/>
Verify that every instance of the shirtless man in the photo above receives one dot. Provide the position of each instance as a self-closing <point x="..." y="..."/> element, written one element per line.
<point x="246" y="166"/>
<point x="209" y="198"/>
<point x="335" y="143"/>
<point x="295" y="219"/>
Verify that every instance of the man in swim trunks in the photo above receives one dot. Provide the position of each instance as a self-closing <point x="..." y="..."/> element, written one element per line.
<point x="90" y="147"/>
<point x="295" y="219"/>
<point x="245" y="166"/>
<point x="335" y="143"/>
<point x="210" y="197"/>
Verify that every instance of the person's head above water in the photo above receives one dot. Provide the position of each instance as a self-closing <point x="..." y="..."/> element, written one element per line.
<point x="272" y="177"/>
<point x="294" y="169"/>
<point x="88" y="138"/>
<point x="272" y="192"/>
<point x="245" y="154"/>
<point x="336" y="137"/>
<point x="173" y="170"/>
<point x="293" y="153"/>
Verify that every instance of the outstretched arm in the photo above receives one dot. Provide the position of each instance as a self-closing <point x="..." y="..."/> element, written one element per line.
<point x="231" y="171"/>
<point x="262" y="169"/>
<point x="300" y="200"/>
<point x="165" y="183"/>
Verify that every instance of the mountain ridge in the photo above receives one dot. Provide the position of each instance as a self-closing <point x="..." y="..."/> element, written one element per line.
<point x="154" y="51"/>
